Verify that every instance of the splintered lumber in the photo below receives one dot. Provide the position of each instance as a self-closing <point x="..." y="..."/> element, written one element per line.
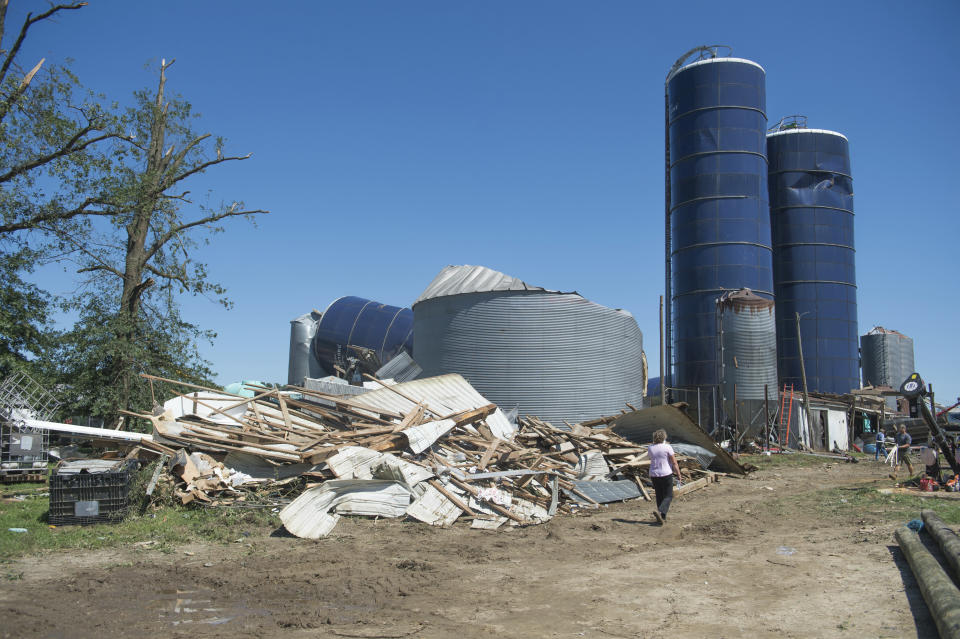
<point x="452" y="497"/>
<point x="489" y="504"/>
<point x="942" y="597"/>
<point x="948" y="540"/>
<point x="689" y="487"/>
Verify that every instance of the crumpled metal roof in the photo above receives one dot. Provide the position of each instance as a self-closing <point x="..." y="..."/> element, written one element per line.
<point x="457" y="280"/>
<point x="639" y="426"/>
<point x="447" y="394"/>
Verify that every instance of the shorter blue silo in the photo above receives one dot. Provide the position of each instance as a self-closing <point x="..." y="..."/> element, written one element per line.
<point x="811" y="212"/>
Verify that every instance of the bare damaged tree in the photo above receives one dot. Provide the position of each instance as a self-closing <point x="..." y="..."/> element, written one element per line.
<point x="148" y="255"/>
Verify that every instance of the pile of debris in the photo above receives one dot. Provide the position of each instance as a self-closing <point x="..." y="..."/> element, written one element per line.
<point x="432" y="449"/>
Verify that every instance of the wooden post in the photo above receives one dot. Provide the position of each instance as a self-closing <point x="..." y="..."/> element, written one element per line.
<point x="942" y="597"/>
<point x="662" y="382"/>
<point x="736" y="417"/>
<point x="766" y="417"/>
<point x="803" y="373"/>
<point x="948" y="540"/>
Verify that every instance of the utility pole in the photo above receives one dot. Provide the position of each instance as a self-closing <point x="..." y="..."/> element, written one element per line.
<point x="663" y="380"/>
<point x="803" y="373"/>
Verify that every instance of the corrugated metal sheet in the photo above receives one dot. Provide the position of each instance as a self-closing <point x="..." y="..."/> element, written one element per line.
<point x="446" y="394"/>
<point x="330" y="387"/>
<point x="639" y="426"/>
<point x="308" y="515"/>
<point x="433" y="508"/>
<point x="401" y="368"/>
<point x="458" y="280"/>
<point x="302" y="363"/>
<point x="554" y="355"/>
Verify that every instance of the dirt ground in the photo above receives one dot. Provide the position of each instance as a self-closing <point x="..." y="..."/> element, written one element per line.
<point x="741" y="558"/>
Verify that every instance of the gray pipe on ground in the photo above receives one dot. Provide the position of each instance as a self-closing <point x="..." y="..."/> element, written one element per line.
<point x="942" y="597"/>
<point x="948" y="540"/>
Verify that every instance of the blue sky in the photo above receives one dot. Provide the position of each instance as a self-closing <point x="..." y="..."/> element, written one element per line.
<point x="390" y="139"/>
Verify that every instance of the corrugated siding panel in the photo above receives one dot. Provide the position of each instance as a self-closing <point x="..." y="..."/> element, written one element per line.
<point x="749" y="352"/>
<point x="554" y="355"/>
<point x="445" y="393"/>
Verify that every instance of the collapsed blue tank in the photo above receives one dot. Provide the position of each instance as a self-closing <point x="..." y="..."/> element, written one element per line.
<point x="355" y="321"/>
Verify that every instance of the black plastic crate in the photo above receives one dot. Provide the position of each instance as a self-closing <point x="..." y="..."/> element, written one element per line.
<point x="23" y="450"/>
<point x="95" y="494"/>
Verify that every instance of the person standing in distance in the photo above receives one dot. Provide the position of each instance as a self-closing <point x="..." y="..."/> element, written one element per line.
<point x="881" y="439"/>
<point x="663" y="466"/>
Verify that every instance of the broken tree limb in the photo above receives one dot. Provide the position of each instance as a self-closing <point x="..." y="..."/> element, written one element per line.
<point x="942" y="597"/>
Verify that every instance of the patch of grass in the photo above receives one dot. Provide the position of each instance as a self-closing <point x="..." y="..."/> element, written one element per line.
<point x="788" y="460"/>
<point x="867" y="504"/>
<point x="167" y="525"/>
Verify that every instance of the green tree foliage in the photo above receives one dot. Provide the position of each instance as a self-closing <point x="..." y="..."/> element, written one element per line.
<point x="24" y="330"/>
<point x="53" y="171"/>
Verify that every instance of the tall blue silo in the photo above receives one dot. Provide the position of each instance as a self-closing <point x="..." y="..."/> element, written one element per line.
<point x="811" y="210"/>
<point x="718" y="215"/>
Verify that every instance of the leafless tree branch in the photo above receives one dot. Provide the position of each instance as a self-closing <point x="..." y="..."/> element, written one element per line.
<point x="30" y="21"/>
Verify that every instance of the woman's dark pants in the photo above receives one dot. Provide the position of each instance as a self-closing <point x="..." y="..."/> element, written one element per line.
<point x="663" y="486"/>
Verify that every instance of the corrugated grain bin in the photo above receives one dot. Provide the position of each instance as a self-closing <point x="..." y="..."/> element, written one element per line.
<point x="554" y="355"/>
<point x="887" y="358"/>
<point x="748" y="356"/>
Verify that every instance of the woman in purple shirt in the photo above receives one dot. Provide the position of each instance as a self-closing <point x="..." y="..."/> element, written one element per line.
<point x="663" y="465"/>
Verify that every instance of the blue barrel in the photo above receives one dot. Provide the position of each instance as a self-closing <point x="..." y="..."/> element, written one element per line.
<point x="719" y="214"/>
<point x="811" y="209"/>
<point x="355" y="321"/>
